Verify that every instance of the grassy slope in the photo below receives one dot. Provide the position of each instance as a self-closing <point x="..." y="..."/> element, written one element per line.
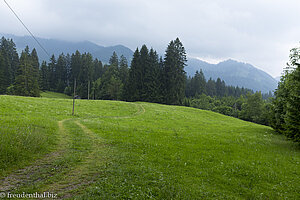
<point x="48" y="94"/>
<point x="148" y="150"/>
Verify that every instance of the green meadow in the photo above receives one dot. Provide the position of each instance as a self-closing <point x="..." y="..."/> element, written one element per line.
<point x="48" y="94"/>
<point x="122" y="150"/>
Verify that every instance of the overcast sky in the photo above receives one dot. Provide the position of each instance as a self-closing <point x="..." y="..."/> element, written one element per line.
<point x="260" y="32"/>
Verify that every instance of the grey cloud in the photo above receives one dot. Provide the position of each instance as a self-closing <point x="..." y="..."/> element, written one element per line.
<point x="257" y="31"/>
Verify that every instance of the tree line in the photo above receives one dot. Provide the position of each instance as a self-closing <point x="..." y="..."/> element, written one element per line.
<point x="151" y="78"/>
<point x="233" y="101"/>
<point x="154" y="79"/>
<point x="250" y="106"/>
<point x="198" y="85"/>
<point x="18" y="75"/>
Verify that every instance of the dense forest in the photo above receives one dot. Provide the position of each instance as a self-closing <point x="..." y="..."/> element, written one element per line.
<point x="150" y="78"/>
<point x="285" y="116"/>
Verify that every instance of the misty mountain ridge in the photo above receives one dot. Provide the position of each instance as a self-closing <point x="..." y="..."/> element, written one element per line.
<point x="56" y="47"/>
<point x="232" y="72"/>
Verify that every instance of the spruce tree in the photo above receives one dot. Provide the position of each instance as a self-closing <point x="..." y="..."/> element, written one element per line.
<point x="114" y="88"/>
<point x="114" y="60"/>
<point x="26" y="83"/>
<point x="6" y="67"/>
<point x="198" y="84"/>
<point x="34" y="74"/>
<point x="143" y="69"/>
<point x="85" y="75"/>
<point x="10" y="61"/>
<point x="44" y="77"/>
<point x="188" y="88"/>
<point x="134" y="79"/>
<point x="52" y="73"/>
<point x="123" y="69"/>
<point x="174" y="74"/>
<point x="3" y="86"/>
<point x="98" y="69"/>
<point x="219" y="87"/>
<point x="76" y="63"/>
<point x="153" y="78"/>
<point x="111" y="86"/>
<point x="61" y="73"/>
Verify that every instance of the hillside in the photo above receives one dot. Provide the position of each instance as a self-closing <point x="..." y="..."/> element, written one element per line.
<point x="234" y="73"/>
<point x="121" y="150"/>
<point x="48" y="94"/>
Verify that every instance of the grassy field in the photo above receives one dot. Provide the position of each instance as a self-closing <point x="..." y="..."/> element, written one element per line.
<point x="120" y="150"/>
<point x="48" y="94"/>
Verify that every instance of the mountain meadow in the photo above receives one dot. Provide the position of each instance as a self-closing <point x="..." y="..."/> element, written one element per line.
<point x="82" y="129"/>
<point x="126" y="150"/>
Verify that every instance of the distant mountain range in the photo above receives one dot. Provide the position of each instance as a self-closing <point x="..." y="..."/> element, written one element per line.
<point x="232" y="72"/>
<point x="57" y="47"/>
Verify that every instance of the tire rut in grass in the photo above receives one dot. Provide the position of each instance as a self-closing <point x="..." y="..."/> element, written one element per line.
<point x="57" y="171"/>
<point x="84" y="173"/>
<point x="41" y="168"/>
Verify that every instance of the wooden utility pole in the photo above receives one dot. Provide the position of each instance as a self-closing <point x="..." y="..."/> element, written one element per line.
<point x="88" y="89"/>
<point x="74" y="96"/>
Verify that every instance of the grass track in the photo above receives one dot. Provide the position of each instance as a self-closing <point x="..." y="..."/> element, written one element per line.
<point x="119" y="150"/>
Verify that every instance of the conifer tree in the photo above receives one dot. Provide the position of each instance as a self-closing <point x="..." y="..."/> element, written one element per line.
<point x="61" y="74"/>
<point x="153" y="78"/>
<point x="98" y="69"/>
<point x="34" y="74"/>
<point x="143" y="68"/>
<point x="44" y="77"/>
<point x="10" y="61"/>
<point x="219" y="87"/>
<point x="114" y="60"/>
<point x="198" y="84"/>
<point x="3" y="86"/>
<point x="52" y="71"/>
<point x="7" y="77"/>
<point x="174" y="74"/>
<point x="123" y="69"/>
<point x="134" y="78"/>
<point x="26" y="83"/>
<point x="211" y="87"/>
<point x="75" y="67"/>
<point x="111" y="86"/>
<point x="114" y="88"/>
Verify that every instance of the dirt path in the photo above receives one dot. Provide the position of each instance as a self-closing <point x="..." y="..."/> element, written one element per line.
<point x="75" y="163"/>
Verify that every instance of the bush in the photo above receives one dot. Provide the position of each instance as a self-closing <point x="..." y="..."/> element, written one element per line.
<point x="225" y="110"/>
